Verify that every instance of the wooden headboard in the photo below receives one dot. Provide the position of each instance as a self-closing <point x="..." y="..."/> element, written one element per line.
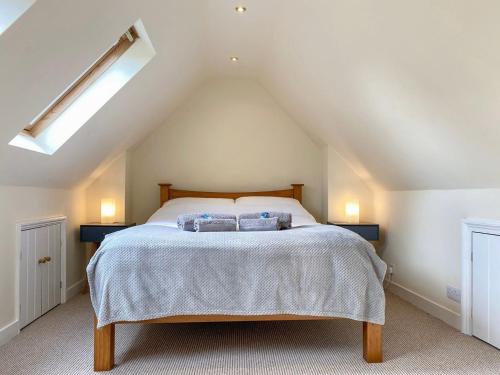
<point x="167" y="193"/>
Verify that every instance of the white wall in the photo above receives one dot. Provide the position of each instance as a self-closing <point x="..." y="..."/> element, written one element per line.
<point x="230" y="135"/>
<point x="344" y="185"/>
<point x="110" y="184"/>
<point x="18" y="204"/>
<point x="423" y="236"/>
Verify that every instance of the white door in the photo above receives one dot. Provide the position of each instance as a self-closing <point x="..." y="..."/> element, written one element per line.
<point x="30" y="291"/>
<point x="486" y="287"/>
<point x="40" y="271"/>
<point x="53" y="278"/>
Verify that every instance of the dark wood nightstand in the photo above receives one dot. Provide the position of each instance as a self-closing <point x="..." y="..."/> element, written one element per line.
<point x="94" y="233"/>
<point x="370" y="232"/>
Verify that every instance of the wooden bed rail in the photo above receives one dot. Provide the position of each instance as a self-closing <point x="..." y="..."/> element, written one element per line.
<point x="167" y="193"/>
<point x="104" y="338"/>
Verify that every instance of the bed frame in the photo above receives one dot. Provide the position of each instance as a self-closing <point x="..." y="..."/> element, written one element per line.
<point x="104" y="338"/>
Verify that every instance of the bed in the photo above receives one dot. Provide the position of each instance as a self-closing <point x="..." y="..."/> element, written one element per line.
<point x="156" y="273"/>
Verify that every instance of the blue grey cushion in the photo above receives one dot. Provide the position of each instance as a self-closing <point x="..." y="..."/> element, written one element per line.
<point x="186" y="221"/>
<point x="215" y="225"/>
<point x="284" y="218"/>
<point x="254" y="225"/>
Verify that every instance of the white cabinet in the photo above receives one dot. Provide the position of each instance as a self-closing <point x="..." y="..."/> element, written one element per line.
<point x="40" y="270"/>
<point x="486" y="287"/>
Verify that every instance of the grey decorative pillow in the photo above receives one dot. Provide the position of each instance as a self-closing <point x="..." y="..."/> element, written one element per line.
<point x="254" y="225"/>
<point x="215" y="225"/>
<point x="186" y="221"/>
<point x="284" y="218"/>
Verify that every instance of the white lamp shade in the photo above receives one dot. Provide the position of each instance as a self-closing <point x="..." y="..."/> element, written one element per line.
<point x="108" y="210"/>
<point x="352" y="212"/>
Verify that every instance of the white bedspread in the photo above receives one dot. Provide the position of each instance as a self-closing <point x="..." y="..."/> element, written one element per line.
<point x="152" y="271"/>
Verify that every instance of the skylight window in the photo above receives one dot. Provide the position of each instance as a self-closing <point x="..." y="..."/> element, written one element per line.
<point x="50" y="129"/>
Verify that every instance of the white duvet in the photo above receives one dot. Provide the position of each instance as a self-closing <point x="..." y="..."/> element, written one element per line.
<point x="151" y="271"/>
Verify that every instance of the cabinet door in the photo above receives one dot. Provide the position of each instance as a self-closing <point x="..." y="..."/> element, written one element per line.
<point x="50" y="247"/>
<point x="23" y="281"/>
<point x="42" y="251"/>
<point x="53" y="267"/>
<point x="486" y="288"/>
<point x="30" y="278"/>
<point x="39" y="288"/>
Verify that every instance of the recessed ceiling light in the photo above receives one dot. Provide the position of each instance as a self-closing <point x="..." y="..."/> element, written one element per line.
<point x="240" y="9"/>
<point x="234" y="58"/>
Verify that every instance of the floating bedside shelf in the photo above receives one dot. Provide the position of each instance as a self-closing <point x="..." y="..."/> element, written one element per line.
<point x="369" y="231"/>
<point x="95" y="232"/>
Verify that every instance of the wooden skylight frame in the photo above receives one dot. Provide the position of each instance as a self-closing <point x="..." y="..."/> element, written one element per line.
<point x="63" y="101"/>
<point x="74" y="107"/>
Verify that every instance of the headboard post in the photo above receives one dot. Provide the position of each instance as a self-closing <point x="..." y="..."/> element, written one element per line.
<point x="164" y="193"/>
<point x="297" y="191"/>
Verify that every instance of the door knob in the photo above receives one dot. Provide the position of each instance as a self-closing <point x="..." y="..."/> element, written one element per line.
<point x="47" y="259"/>
<point x="42" y="260"/>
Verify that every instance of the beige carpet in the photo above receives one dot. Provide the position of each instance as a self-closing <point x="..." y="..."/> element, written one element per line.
<point x="61" y="343"/>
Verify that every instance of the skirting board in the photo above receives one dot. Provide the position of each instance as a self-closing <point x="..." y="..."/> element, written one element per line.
<point x="8" y="332"/>
<point x="11" y="330"/>
<point x="74" y="289"/>
<point x="433" y="308"/>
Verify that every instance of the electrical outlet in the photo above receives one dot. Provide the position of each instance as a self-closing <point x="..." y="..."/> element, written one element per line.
<point x="453" y="293"/>
<point x="390" y="269"/>
<point x="389" y="273"/>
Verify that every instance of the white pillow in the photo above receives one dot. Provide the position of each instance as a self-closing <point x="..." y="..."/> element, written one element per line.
<point x="200" y="201"/>
<point x="168" y="213"/>
<point x="263" y="201"/>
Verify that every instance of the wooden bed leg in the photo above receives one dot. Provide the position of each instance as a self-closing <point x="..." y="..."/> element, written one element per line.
<point x="372" y="342"/>
<point x="104" y="347"/>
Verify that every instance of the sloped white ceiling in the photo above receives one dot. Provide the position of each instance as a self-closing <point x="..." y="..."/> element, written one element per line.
<point x="408" y="92"/>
